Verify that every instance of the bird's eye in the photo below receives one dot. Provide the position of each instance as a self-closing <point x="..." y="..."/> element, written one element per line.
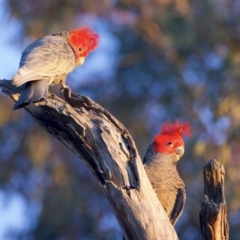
<point x="80" y="49"/>
<point x="169" y="143"/>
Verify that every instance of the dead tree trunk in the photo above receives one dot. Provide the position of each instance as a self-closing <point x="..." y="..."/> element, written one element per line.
<point x="213" y="214"/>
<point x="108" y="149"/>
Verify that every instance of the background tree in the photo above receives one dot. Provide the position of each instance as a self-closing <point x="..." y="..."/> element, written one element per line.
<point x="172" y="60"/>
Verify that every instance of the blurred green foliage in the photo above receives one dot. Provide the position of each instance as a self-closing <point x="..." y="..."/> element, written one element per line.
<point x="176" y="59"/>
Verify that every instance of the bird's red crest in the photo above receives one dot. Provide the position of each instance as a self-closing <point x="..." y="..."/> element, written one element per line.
<point x="171" y="136"/>
<point x="176" y="129"/>
<point x="84" y="37"/>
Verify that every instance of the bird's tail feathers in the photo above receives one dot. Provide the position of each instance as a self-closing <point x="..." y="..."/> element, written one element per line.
<point x="32" y="92"/>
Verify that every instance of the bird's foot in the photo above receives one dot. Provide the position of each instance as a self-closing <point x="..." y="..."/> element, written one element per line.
<point x="67" y="89"/>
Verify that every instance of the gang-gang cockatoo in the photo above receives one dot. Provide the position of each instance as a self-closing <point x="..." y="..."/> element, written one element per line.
<point x="48" y="60"/>
<point x="160" y="162"/>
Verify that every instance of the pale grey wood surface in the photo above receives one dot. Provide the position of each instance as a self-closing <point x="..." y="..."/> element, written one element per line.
<point x="108" y="149"/>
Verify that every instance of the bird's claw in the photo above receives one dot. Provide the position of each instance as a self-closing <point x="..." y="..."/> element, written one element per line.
<point x="67" y="89"/>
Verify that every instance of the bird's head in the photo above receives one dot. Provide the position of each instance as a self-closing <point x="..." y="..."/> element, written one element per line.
<point x="82" y="41"/>
<point x="170" y="139"/>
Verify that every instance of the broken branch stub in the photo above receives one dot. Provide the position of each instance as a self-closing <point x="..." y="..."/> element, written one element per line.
<point x="213" y="213"/>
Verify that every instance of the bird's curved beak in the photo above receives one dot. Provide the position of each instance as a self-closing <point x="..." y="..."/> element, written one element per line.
<point x="80" y="61"/>
<point x="179" y="151"/>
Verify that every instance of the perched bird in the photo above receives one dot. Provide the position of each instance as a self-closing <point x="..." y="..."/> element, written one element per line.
<point x="160" y="162"/>
<point x="48" y="60"/>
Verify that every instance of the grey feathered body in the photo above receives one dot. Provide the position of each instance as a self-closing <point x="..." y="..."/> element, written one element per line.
<point x="46" y="61"/>
<point x="169" y="187"/>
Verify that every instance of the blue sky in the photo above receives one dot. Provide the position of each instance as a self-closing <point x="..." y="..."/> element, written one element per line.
<point x="12" y="206"/>
<point x="10" y="53"/>
<point x="14" y="213"/>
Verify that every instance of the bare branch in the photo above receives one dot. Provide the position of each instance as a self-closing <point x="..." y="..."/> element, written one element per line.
<point x="108" y="149"/>
<point x="213" y="214"/>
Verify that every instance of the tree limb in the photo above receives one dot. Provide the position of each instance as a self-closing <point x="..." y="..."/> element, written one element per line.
<point x="108" y="149"/>
<point x="213" y="214"/>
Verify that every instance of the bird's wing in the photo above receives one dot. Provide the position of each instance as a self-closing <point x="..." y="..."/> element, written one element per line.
<point x="179" y="204"/>
<point x="148" y="154"/>
<point x="44" y="58"/>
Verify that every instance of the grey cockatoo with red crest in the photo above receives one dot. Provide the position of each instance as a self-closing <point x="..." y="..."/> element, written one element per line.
<point x="160" y="162"/>
<point x="48" y="60"/>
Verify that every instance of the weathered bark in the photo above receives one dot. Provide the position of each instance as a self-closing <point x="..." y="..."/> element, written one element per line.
<point x="108" y="149"/>
<point x="213" y="214"/>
